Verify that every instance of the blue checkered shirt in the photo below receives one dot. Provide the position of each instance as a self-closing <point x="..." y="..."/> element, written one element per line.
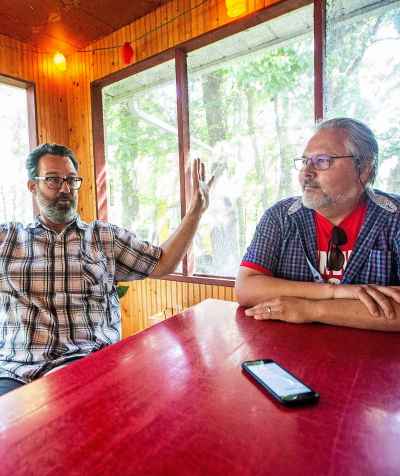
<point x="285" y="243"/>
<point x="58" y="296"/>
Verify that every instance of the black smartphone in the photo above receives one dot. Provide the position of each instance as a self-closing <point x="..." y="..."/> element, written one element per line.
<point x="279" y="382"/>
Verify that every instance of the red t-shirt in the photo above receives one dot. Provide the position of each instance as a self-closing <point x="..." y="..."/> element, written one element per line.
<point x="351" y="226"/>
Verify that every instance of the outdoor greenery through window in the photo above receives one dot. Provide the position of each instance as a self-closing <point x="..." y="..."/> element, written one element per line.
<point x="15" y="199"/>
<point x="363" y="75"/>
<point x="251" y="108"/>
<point x="142" y="153"/>
<point x="251" y="111"/>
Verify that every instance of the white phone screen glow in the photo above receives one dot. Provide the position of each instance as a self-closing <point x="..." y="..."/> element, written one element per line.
<point x="278" y="380"/>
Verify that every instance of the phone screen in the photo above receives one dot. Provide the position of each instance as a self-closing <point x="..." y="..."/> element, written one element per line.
<point x="277" y="379"/>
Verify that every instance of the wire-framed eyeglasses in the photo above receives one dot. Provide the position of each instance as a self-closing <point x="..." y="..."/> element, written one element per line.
<point x="55" y="182"/>
<point x="319" y="161"/>
<point x="335" y="259"/>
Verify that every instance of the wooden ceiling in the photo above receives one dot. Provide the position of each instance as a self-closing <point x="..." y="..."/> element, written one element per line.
<point x="68" y="25"/>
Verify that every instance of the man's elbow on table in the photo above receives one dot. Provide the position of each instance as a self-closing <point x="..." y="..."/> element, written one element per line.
<point x="250" y="287"/>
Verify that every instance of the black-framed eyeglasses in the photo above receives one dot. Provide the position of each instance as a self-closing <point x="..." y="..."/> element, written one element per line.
<point x="319" y="161"/>
<point x="335" y="259"/>
<point x="55" y="182"/>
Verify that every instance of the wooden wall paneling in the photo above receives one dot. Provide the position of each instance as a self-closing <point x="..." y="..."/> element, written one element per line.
<point x="12" y="58"/>
<point x="222" y="17"/>
<point x="103" y="57"/>
<point x="116" y="60"/>
<point x="142" y="44"/>
<point x="168" y="295"/>
<point x="174" y="22"/>
<point x="191" y="293"/>
<point x="158" y="21"/>
<point x="188" y="23"/>
<point x="148" y="299"/>
<point x="185" y="295"/>
<point x="162" y="298"/>
<point x="39" y="103"/>
<point x="151" y="25"/>
<point x="180" y="21"/>
<point x="215" y="292"/>
<point x="88" y="120"/>
<point x="154" y="297"/>
<point x="221" y="292"/>
<point x="139" y="305"/>
<point x="3" y="55"/>
<point x="212" y="17"/>
<point x="126" y="322"/>
<point x="163" y="286"/>
<point x="196" y="293"/>
<point x="44" y="90"/>
<point x="174" y="297"/>
<point x="170" y="27"/>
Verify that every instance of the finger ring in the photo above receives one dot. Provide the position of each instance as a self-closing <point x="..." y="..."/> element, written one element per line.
<point x="268" y="308"/>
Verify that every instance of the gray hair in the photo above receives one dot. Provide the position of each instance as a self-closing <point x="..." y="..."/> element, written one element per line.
<point x="361" y="143"/>
<point x="33" y="158"/>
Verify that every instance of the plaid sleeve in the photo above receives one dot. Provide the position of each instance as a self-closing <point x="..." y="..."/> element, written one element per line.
<point x="264" y="250"/>
<point x="134" y="258"/>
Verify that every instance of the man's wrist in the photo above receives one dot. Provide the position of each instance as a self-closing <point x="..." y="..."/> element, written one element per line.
<point x="314" y="314"/>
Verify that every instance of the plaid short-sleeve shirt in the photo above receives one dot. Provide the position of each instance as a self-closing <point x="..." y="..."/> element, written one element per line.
<point x="58" y="296"/>
<point x="284" y="243"/>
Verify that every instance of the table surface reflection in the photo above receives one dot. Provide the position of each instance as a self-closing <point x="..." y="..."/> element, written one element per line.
<point x="172" y="400"/>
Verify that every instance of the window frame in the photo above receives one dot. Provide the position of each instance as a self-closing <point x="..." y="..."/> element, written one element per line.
<point x="33" y="135"/>
<point x="179" y="54"/>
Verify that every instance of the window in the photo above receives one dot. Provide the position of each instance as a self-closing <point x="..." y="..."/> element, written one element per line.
<point x="362" y="76"/>
<point x="250" y="108"/>
<point x="142" y="153"/>
<point x="15" y="199"/>
<point x="250" y="111"/>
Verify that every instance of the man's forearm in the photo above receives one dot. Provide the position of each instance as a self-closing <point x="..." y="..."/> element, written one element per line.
<point x="177" y="244"/>
<point x="352" y="313"/>
<point x="251" y="290"/>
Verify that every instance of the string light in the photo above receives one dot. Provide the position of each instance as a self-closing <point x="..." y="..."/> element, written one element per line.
<point x="60" y="61"/>
<point x="62" y="65"/>
<point x="127" y="53"/>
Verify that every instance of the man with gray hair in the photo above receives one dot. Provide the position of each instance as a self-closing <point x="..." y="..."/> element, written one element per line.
<point x="58" y="275"/>
<point x="332" y="255"/>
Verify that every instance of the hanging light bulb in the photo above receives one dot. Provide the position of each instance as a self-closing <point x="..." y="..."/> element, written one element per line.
<point x="60" y="61"/>
<point x="235" y="8"/>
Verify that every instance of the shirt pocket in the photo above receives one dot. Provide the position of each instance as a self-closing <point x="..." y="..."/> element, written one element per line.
<point x="94" y="266"/>
<point x="379" y="269"/>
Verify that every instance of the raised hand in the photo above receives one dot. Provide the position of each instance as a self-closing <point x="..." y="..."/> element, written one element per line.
<point x="200" y="188"/>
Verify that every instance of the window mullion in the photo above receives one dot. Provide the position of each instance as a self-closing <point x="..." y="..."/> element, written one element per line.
<point x="319" y="56"/>
<point x="184" y="142"/>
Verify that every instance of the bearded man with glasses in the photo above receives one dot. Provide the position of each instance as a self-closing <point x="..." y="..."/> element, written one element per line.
<point x="332" y="255"/>
<point x="58" y="275"/>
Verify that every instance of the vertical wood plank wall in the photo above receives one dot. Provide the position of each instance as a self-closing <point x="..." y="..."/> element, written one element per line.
<point x="64" y="116"/>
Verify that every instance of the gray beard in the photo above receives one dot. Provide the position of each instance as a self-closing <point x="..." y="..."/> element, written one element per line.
<point x="54" y="213"/>
<point x="316" y="203"/>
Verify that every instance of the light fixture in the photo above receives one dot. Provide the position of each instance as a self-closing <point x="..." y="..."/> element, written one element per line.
<point x="235" y="8"/>
<point x="127" y="52"/>
<point x="60" y="61"/>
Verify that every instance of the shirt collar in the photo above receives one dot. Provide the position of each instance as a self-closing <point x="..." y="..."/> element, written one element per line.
<point x="37" y="223"/>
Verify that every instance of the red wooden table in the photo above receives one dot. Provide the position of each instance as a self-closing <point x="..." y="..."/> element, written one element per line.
<point x="172" y="400"/>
